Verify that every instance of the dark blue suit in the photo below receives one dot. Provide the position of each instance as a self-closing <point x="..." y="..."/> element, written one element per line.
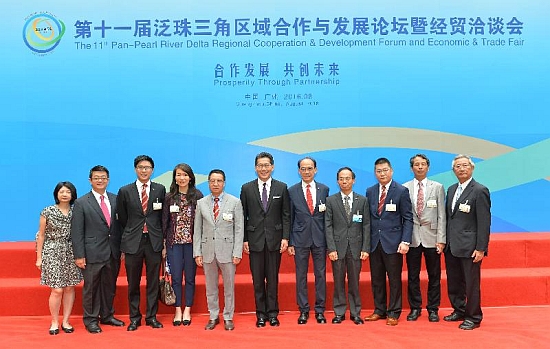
<point x="307" y="235"/>
<point x="388" y="230"/>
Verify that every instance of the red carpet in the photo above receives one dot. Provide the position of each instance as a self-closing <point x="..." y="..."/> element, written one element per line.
<point x="514" y="327"/>
<point x="516" y="272"/>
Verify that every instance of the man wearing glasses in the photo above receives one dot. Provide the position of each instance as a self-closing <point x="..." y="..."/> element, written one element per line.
<point x="96" y="243"/>
<point x="391" y="230"/>
<point x="468" y="226"/>
<point x="267" y="227"/>
<point x="307" y="237"/>
<point x="139" y="208"/>
<point x="218" y="246"/>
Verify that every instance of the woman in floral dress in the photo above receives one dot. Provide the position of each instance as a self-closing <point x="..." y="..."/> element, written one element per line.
<point x="55" y="257"/>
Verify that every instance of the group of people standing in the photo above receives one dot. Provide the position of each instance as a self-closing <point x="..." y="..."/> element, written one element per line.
<point x="88" y="238"/>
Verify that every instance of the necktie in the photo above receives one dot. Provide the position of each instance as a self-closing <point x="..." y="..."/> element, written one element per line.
<point x="457" y="195"/>
<point x="382" y="199"/>
<point x="309" y="199"/>
<point x="347" y="206"/>
<point x="105" y="210"/>
<point x="144" y="201"/>
<point x="264" y="197"/>
<point x="420" y="200"/>
<point x="216" y="208"/>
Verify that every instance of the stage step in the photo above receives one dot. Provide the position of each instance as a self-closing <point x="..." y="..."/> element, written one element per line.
<point x="516" y="272"/>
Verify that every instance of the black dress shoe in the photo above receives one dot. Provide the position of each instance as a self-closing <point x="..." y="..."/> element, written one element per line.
<point x="211" y="324"/>
<point x="303" y="318"/>
<point x="133" y="325"/>
<point x="113" y="322"/>
<point x="186" y="322"/>
<point x="454" y="317"/>
<point x="320" y="317"/>
<point x="274" y="321"/>
<point x="357" y="320"/>
<point x="433" y="316"/>
<point x="154" y="323"/>
<point x="468" y="325"/>
<point x="53" y="332"/>
<point x="67" y="329"/>
<point x="414" y="315"/>
<point x="260" y="322"/>
<point x="338" y="319"/>
<point x="93" y="328"/>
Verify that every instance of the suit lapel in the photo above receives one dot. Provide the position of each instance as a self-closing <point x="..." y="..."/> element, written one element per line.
<point x="112" y="201"/>
<point x="136" y="196"/>
<point x="410" y="186"/>
<point x="93" y="203"/>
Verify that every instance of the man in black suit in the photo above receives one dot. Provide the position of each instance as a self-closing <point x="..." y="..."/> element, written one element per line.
<point x="139" y="208"/>
<point x="307" y="237"/>
<point x="96" y="243"/>
<point x="267" y="227"/>
<point x="391" y="231"/>
<point x="468" y="227"/>
<point x="347" y="225"/>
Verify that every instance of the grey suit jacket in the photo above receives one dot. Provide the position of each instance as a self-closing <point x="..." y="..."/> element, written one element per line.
<point x="468" y="231"/>
<point x="92" y="238"/>
<point x="431" y="229"/>
<point x="221" y="238"/>
<point x="342" y="231"/>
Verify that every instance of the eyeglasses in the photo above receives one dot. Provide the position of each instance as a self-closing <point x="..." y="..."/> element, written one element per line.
<point x="97" y="179"/>
<point x="144" y="168"/>
<point x="306" y="169"/>
<point x="459" y="166"/>
<point x="213" y="181"/>
<point x="263" y="165"/>
<point x="384" y="170"/>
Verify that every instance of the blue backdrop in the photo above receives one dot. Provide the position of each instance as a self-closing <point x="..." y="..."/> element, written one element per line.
<point x="212" y="84"/>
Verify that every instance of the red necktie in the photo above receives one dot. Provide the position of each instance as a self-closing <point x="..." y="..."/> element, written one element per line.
<point x="382" y="199"/>
<point x="216" y="208"/>
<point x="309" y="199"/>
<point x="420" y="200"/>
<point x="105" y="210"/>
<point x="144" y="201"/>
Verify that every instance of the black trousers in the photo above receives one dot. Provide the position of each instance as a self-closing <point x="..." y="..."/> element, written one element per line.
<point x="264" y="266"/>
<point x="99" y="290"/>
<point x="382" y="263"/>
<point x="134" y="266"/>
<point x="433" y="267"/>
<point x="463" y="286"/>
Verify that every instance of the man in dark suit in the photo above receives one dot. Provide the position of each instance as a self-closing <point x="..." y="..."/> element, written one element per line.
<point x="468" y="226"/>
<point x="307" y="236"/>
<point x="347" y="224"/>
<point x="139" y="208"/>
<point x="267" y="227"/>
<point x="96" y="243"/>
<point x="428" y="238"/>
<point x="391" y="231"/>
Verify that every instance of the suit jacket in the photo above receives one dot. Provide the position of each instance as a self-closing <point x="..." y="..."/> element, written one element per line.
<point x="307" y="229"/>
<point x="431" y="229"/>
<point x="341" y="231"/>
<point x="92" y="238"/>
<point x="222" y="237"/>
<point x="468" y="231"/>
<point x="132" y="218"/>
<point x="265" y="227"/>
<point x="390" y="228"/>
